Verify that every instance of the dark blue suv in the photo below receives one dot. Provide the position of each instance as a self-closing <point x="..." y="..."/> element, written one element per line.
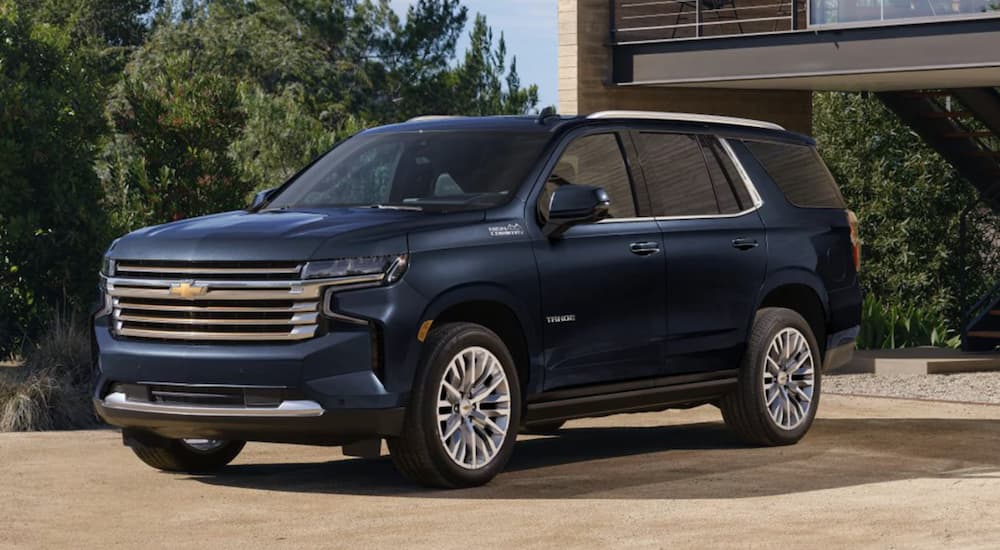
<point x="447" y="283"/>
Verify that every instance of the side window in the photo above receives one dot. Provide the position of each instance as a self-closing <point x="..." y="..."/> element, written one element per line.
<point x="729" y="187"/>
<point x="593" y="160"/>
<point x="678" y="180"/>
<point x="800" y="173"/>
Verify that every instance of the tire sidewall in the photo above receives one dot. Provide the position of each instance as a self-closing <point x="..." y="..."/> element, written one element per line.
<point x="770" y="324"/>
<point x="426" y="402"/>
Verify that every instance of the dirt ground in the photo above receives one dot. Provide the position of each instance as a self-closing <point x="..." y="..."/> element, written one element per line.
<point x="872" y="473"/>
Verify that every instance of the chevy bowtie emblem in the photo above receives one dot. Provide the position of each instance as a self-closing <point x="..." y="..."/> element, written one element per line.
<point x="187" y="290"/>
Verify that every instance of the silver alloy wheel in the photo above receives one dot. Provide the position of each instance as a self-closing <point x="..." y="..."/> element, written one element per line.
<point x="204" y="445"/>
<point x="473" y="408"/>
<point x="789" y="375"/>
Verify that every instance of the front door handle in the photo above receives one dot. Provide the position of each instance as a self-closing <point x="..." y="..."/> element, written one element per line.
<point x="744" y="244"/>
<point x="644" y="248"/>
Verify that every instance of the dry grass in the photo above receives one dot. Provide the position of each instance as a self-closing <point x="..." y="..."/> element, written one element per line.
<point x="51" y="390"/>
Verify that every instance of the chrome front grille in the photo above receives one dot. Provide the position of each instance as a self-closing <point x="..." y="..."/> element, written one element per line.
<point x="214" y="301"/>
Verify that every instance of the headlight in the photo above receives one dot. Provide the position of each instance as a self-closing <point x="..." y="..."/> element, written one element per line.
<point x="392" y="267"/>
<point x="107" y="264"/>
<point x="108" y="267"/>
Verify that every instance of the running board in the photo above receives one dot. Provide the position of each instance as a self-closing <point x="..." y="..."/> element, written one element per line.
<point x="626" y="397"/>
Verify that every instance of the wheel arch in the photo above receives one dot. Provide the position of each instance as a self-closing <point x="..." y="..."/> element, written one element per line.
<point x="802" y="292"/>
<point x="500" y="311"/>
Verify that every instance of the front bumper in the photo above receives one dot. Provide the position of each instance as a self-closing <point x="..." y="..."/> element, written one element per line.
<point x="290" y="422"/>
<point x="328" y="392"/>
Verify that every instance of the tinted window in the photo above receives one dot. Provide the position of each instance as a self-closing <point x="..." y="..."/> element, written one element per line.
<point x="678" y="180"/>
<point x="800" y="173"/>
<point x="594" y="160"/>
<point x="448" y="170"/>
<point x="729" y="187"/>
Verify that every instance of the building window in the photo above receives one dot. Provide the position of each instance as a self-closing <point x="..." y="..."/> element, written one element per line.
<point x="839" y="12"/>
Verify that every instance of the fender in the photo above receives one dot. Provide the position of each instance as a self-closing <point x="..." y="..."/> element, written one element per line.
<point x="791" y="275"/>
<point x="492" y="292"/>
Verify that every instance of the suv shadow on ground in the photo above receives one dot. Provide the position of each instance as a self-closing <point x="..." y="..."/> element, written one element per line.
<point x="698" y="461"/>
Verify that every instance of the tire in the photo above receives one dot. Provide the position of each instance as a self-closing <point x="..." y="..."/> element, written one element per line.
<point x="544" y="428"/>
<point x="422" y="452"/>
<point x="179" y="455"/>
<point x="767" y="408"/>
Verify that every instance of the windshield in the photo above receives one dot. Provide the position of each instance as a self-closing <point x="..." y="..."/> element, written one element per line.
<point x="456" y="170"/>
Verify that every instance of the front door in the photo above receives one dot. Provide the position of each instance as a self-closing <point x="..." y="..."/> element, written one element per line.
<point x="602" y="283"/>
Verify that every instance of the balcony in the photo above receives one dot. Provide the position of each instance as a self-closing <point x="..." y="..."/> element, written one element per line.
<point x="644" y="21"/>
<point x="857" y="45"/>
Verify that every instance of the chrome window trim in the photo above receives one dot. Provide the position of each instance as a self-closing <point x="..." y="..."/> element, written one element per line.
<point x="707" y="216"/>
<point x="758" y="201"/>
<point x="287" y="409"/>
<point x="627" y="220"/>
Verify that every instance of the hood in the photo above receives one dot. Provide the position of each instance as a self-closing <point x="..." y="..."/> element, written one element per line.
<point x="290" y="235"/>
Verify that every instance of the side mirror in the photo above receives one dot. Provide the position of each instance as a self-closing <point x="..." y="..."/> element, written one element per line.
<point x="575" y="204"/>
<point x="262" y="197"/>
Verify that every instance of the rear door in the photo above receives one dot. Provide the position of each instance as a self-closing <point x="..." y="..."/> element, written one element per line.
<point x="714" y="245"/>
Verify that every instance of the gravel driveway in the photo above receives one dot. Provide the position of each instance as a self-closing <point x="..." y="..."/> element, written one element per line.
<point x="872" y="473"/>
<point x="980" y="387"/>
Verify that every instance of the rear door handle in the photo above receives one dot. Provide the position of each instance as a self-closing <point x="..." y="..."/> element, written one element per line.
<point x="644" y="248"/>
<point x="744" y="244"/>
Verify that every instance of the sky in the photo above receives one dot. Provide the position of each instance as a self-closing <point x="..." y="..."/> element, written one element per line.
<point x="529" y="27"/>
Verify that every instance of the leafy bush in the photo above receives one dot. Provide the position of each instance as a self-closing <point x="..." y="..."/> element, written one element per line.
<point x="51" y="391"/>
<point x="909" y="201"/>
<point x="890" y="326"/>
<point x="51" y="224"/>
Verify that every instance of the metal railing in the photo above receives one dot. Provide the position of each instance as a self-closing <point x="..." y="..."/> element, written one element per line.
<point x="656" y="20"/>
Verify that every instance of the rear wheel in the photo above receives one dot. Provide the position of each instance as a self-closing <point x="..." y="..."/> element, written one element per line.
<point x="187" y="455"/>
<point x="462" y="420"/>
<point x="778" y="390"/>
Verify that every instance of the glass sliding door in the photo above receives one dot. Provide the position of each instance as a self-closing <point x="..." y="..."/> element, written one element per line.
<point x="840" y="12"/>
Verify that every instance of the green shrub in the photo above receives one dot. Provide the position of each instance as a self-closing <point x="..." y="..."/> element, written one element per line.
<point x="51" y="391"/>
<point x="909" y="201"/>
<point x="52" y="227"/>
<point x="890" y="326"/>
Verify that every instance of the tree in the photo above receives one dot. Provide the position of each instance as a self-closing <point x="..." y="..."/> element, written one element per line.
<point x="909" y="201"/>
<point x="51" y="221"/>
<point x="482" y="85"/>
<point x="228" y="97"/>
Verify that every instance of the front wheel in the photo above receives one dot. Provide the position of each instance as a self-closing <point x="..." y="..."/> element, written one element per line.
<point x="778" y="386"/>
<point x="187" y="455"/>
<point x="464" y="410"/>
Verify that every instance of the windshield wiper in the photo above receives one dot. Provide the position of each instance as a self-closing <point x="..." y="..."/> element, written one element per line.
<point x="395" y="207"/>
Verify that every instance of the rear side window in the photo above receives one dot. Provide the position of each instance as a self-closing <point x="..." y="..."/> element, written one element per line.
<point x="676" y="174"/>
<point x="800" y="173"/>
<point x="594" y="160"/>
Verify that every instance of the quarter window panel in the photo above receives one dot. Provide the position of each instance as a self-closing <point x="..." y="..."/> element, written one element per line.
<point x="594" y="160"/>
<point x="800" y="173"/>
<point x="676" y="175"/>
<point x="729" y="187"/>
